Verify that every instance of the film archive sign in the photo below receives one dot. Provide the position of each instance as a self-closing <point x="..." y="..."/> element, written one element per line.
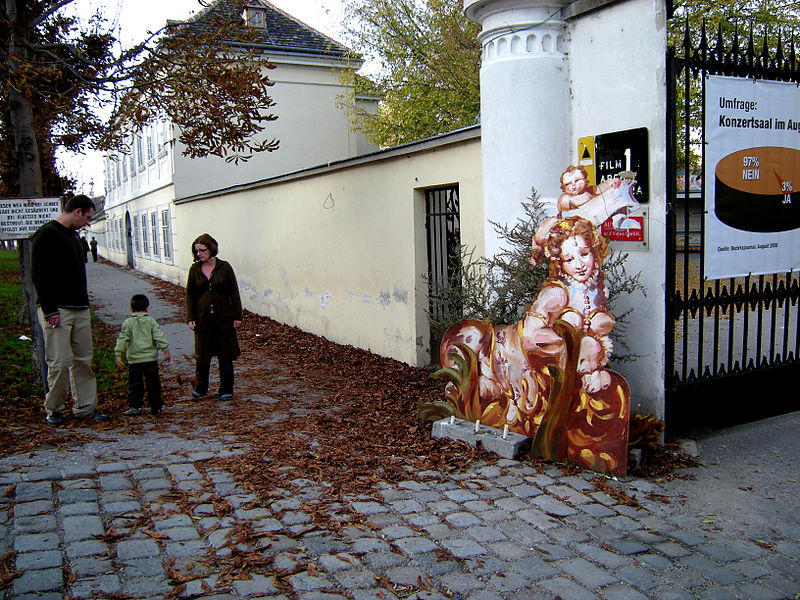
<point x="752" y="177"/>
<point x="620" y="155"/>
<point x="21" y="217"/>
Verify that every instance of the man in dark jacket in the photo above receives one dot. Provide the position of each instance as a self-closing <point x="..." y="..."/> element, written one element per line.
<point x="59" y="276"/>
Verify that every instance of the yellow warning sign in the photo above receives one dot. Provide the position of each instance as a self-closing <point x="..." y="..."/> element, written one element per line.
<point x="586" y="157"/>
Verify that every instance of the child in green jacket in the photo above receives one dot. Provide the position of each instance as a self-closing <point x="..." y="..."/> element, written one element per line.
<point x="140" y="340"/>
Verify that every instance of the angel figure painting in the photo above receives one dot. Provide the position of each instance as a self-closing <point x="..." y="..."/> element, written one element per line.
<point x="547" y="375"/>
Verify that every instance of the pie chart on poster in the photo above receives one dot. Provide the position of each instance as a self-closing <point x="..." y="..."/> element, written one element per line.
<point x="758" y="189"/>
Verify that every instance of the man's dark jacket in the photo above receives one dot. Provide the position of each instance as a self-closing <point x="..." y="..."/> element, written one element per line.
<point x="57" y="268"/>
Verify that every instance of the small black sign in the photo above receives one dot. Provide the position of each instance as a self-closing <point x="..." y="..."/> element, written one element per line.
<point x="621" y="153"/>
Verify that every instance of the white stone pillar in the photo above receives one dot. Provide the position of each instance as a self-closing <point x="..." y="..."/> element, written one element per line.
<point x="525" y="104"/>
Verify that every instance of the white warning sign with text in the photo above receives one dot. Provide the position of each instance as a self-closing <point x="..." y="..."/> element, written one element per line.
<point x="21" y="217"/>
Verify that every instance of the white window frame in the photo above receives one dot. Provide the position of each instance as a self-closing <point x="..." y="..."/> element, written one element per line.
<point x="136" y="246"/>
<point x="163" y="136"/>
<point x="255" y="17"/>
<point x="139" y="151"/>
<point x="150" y="133"/>
<point x="166" y="244"/>
<point x="107" y="172"/>
<point x="154" y="232"/>
<point x="145" y="239"/>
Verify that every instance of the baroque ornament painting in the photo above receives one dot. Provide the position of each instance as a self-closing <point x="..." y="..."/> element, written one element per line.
<point x="547" y="376"/>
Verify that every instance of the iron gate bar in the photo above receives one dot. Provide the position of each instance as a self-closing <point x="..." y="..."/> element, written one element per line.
<point x="776" y="305"/>
<point x="715" y="351"/>
<point x="734" y="366"/>
<point x="785" y="346"/>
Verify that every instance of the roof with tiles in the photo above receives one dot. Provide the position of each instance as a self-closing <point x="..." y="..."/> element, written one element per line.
<point x="281" y="30"/>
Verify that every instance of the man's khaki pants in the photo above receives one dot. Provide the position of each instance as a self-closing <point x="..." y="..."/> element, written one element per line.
<point x="68" y="353"/>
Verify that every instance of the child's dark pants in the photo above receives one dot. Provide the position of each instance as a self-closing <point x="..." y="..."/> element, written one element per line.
<point x="141" y="375"/>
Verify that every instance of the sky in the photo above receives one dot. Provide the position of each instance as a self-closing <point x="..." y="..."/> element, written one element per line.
<point x="135" y="17"/>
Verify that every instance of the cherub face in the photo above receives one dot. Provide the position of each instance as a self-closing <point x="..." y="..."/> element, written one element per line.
<point x="577" y="259"/>
<point x="574" y="183"/>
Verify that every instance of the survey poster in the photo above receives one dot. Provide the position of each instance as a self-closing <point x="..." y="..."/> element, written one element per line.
<point x="752" y="177"/>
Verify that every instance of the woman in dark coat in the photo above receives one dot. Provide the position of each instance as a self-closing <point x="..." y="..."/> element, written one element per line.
<point x="213" y="312"/>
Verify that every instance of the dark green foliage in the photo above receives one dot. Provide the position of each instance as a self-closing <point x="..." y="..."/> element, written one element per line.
<point x="16" y="380"/>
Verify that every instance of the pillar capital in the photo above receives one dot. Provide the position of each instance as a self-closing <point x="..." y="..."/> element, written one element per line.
<point x="516" y="11"/>
<point x="525" y="105"/>
<point x="512" y="29"/>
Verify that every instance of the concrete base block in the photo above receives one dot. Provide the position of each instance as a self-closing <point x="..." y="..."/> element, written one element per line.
<point x="488" y="438"/>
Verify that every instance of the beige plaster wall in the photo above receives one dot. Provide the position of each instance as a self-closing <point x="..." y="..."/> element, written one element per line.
<point x="311" y="127"/>
<point x="340" y="252"/>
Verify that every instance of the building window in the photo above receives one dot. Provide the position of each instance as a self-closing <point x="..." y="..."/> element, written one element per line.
<point x="109" y="174"/>
<point x="154" y="231"/>
<point x="255" y="17"/>
<point x="136" y="245"/>
<point x="150" y="131"/>
<point x="139" y="151"/>
<point x="163" y="136"/>
<point x="165" y="237"/>
<point x="145" y="240"/>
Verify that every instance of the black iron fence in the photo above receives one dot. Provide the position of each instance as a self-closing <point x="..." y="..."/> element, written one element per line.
<point x="443" y="227"/>
<point x="732" y="345"/>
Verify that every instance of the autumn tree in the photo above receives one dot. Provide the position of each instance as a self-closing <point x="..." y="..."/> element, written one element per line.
<point x="771" y="15"/>
<point x="207" y="75"/>
<point x="428" y="57"/>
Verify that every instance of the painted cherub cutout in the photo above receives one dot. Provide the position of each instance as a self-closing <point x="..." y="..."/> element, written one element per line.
<point x="611" y="199"/>
<point x="547" y="376"/>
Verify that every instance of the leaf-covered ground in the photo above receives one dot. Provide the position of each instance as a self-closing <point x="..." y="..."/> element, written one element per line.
<point x="304" y="406"/>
